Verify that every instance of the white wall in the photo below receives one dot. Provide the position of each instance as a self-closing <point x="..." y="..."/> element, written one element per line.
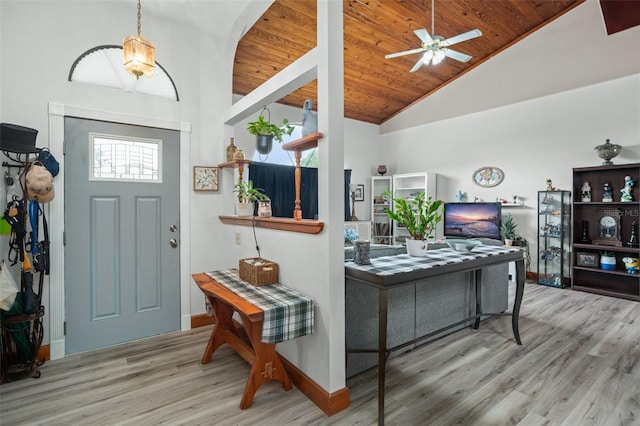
<point x="530" y="141"/>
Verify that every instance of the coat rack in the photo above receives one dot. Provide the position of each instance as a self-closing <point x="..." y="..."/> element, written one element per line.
<point x="21" y="334"/>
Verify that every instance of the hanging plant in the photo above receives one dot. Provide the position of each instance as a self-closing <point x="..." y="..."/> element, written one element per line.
<point x="266" y="131"/>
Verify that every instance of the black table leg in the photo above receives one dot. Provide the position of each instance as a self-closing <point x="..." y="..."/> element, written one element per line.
<point x="478" y="286"/>
<point x="382" y="350"/>
<point x="515" y="315"/>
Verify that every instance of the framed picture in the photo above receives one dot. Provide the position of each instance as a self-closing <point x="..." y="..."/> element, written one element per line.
<point x="205" y="178"/>
<point x="359" y="196"/>
<point x="487" y="177"/>
<point x="587" y="259"/>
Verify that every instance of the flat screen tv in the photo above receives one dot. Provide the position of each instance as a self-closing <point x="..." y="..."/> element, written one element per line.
<point x="472" y="220"/>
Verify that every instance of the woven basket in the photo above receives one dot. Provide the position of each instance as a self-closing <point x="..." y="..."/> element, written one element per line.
<point x="264" y="273"/>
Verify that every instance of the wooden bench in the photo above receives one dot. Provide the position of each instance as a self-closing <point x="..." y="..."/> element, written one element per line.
<point x="265" y="362"/>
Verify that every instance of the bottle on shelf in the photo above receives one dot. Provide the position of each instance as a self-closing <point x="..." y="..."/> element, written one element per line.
<point x="231" y="150"/>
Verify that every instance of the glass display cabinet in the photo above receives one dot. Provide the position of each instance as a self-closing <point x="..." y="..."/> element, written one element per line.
<point x="381" y="224"/>
<point x="554" y="220"/>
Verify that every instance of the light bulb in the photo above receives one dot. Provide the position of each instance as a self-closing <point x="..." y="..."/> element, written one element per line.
<point x="427" y="57"/>
<point x="438" y="56"/>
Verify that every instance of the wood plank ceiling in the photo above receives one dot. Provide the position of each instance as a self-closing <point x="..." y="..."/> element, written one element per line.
<point x="376" y="88"/>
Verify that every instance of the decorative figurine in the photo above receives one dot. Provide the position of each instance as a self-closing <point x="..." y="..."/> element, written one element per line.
<point x="309" y="119"/>
<point x="382" y="169"/>
<point x="632" y="264"/>
<point x="607" y="192"/>
<point x="550" y="187"/>
<point x="633" y="239"/>
<point x="460" y="196"/>
<point x="586" y="192"/>
<point x="585" y="233"/>
<point x="626" y="191"/>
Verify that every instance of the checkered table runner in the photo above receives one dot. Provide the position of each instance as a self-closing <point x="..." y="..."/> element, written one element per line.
<point x="391" y="265"/>
<point x="287" y="313"/>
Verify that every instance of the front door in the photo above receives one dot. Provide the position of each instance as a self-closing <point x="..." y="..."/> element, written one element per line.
<point x="122" y="274"/>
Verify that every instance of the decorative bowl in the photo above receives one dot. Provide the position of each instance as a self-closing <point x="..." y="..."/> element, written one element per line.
<point x="607" y="151"/>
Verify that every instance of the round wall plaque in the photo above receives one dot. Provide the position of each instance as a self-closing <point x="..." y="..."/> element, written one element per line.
<point x="487" y="176"/>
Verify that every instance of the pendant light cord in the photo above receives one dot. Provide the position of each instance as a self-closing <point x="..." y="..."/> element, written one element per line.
<point x="139" y="17"/>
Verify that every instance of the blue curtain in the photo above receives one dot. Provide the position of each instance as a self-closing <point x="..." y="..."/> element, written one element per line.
<point x="278" y="182"/>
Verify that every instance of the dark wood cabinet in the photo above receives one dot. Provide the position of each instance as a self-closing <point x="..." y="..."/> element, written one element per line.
<point x="597" y="221"/>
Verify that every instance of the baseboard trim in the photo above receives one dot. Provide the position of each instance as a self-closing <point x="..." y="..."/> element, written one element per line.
<point x="201" y="320"/>
<point x="329" y="403"/>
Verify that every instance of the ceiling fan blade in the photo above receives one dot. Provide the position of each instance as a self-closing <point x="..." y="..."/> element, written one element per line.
<point x="458" y="56"/>
<point x="417" y="66"/>
<point x="461" y="37"/>
<point x="406" y="52"/>
<point x="424" y="36"/>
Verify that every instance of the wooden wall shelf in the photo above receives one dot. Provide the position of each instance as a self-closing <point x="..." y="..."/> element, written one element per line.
<point x="303" y="143"/>
<point x="281" y="223"/>
<point x="239" y="164"/>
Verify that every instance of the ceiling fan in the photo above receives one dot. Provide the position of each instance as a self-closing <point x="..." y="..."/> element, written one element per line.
<point x="436" y="47"/>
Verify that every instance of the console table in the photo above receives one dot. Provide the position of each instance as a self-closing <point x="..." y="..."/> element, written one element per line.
<point x="269" y="314"/>
<point x="389" y="272"/>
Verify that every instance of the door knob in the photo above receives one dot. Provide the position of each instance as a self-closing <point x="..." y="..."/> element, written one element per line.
<point x="173" y="243"/>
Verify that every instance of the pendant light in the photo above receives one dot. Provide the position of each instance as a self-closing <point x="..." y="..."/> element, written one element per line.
<point x="138" y="54"/>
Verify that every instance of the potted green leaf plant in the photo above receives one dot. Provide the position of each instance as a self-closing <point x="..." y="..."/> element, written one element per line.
<point x="247" y="196"/>
<point x="608" y="260"/>
<point x="508" y="230"/>
<point x="266" y="131"/>
<point x="420" y="216"/>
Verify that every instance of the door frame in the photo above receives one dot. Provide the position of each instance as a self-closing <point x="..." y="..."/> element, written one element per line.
<point x="57" y="112"/>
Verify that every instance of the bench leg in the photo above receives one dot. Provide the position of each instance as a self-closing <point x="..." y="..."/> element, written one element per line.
<point x="224" y="321"/>
<point x="266" y="366"/>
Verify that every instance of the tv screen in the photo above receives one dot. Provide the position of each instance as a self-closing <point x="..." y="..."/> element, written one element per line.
<point x="472" y="220"/>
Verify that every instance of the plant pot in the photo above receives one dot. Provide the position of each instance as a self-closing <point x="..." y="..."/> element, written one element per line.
<point x="246" y="209"/>
<point x="508" y="242"/>
<point x="264" y="143"/>
<point x="416" y="248"/>
<point x="608" y="262"/>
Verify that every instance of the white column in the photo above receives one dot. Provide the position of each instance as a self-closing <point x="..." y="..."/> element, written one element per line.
<point x="331" y="175"/>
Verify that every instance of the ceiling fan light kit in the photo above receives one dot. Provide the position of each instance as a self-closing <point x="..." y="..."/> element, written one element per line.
<point x="435" y="47"/>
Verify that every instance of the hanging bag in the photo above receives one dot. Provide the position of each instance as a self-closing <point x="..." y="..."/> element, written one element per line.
<point x="8" y="288"/>
<point x="46" y="158"/>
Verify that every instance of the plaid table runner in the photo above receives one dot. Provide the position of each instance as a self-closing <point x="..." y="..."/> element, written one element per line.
<point x="391" y="265"/>
<point x="287" y="313"/>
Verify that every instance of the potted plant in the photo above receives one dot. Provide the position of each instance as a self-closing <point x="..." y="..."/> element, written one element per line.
<point x="420" y="216"/>
<point x="266" y="131"/>
<point x="247" y="196"/>
<point x="508" y="230"/>
<point x="608" y="260"/>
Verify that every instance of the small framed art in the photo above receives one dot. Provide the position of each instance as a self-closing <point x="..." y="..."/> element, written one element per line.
<point x="587" y="259"/>
<point x="205" y="178"/>
<point x="359" y="195"/>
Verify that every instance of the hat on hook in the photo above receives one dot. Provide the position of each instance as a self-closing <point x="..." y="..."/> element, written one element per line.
<point x="39" y="183"/>
<point x="18" y="139"/>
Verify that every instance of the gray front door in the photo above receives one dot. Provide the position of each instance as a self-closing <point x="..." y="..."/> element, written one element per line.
<point x="122" y="271"/>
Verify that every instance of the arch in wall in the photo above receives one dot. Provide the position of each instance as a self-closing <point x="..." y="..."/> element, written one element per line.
<point x="102" y="66"/>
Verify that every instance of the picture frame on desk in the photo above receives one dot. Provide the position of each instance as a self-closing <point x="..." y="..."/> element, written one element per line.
<point x="587" y="259"/>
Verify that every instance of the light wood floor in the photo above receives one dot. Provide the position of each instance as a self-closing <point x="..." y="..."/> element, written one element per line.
<point x="579" y="365"/>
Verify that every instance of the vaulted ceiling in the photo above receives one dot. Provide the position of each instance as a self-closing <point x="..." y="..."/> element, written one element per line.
<point x="376" y="88"/>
